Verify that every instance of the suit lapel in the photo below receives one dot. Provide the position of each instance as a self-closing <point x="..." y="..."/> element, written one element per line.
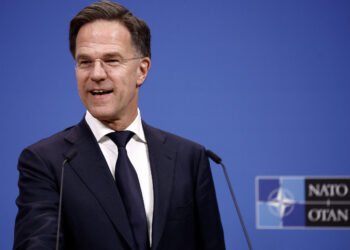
<point x="91" y="167"/>
<point x="162" y="160"/>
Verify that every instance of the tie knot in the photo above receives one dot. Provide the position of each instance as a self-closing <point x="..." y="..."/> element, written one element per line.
<point x="121" y="138"/>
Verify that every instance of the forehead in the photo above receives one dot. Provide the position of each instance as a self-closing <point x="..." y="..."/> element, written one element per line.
<point x="102" y="36"/>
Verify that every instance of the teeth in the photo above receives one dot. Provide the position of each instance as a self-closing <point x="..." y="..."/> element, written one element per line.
<point x="100" y="92"/>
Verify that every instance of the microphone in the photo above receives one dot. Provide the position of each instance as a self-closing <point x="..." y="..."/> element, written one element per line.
<point x="67" y="159"/>
<point x="218" y="160"/>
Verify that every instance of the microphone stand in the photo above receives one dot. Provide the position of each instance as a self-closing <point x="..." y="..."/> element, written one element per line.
<point x="68" y="158"/>
<point x="218" y="160"/>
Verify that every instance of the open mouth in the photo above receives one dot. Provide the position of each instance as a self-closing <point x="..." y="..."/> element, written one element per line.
<point x="100" y="92"/>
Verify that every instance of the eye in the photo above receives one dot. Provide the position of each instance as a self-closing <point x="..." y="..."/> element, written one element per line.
<point x="84" y="63"/>
<point x="112" y="61"/>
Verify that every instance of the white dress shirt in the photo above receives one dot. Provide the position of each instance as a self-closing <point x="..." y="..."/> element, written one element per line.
<point x="137" y="151"/>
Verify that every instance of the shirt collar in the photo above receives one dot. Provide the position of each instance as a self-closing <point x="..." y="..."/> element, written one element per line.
<point x="100" y="130"/>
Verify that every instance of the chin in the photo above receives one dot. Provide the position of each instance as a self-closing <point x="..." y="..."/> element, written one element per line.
<point x="101" y="115"/>
<point x="104" y="118"/>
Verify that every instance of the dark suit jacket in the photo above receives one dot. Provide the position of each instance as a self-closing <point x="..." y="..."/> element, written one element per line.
<point x="185" y="216"/>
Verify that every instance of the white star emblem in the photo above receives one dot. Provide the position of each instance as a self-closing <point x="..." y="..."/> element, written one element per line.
<point x="283" y="203"/>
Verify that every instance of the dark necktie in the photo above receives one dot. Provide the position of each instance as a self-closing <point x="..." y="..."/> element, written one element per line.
<point x="130" y="191"/>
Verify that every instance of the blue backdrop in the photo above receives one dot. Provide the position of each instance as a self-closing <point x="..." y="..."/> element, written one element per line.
<point x="263" y="83"/>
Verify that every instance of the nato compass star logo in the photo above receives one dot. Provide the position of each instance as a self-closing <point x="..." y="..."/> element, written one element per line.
<point x="281" y="202"/>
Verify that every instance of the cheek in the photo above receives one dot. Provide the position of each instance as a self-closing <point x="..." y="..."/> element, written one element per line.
<point x="81" y="89"/>
<point x="80" y="82"/>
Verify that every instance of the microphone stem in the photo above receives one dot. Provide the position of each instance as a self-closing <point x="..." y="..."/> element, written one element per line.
<point x="236" y="205"/>
<point x="60" y="206"/>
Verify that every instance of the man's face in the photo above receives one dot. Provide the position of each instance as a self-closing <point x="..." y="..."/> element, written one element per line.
<point x="110" y="94"/>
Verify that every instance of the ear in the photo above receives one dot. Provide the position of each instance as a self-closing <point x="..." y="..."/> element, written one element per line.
<point x="142" y="71"/>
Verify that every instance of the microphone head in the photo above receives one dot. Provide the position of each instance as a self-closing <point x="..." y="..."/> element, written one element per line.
<point x="213" y="156"/>
<point x="71" y="154"/>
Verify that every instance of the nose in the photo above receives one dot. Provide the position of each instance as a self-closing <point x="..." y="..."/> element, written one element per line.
<point x="98" y="73"/>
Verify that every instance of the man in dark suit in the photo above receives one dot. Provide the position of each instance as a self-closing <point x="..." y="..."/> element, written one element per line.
<point x="154" y="190"/>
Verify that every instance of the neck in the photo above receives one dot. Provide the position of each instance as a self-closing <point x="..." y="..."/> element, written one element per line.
<point x="121" y="124"/>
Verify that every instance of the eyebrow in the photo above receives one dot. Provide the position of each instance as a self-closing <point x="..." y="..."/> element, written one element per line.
<point x="107" y="55"/>
<point x="112" y="54"/>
